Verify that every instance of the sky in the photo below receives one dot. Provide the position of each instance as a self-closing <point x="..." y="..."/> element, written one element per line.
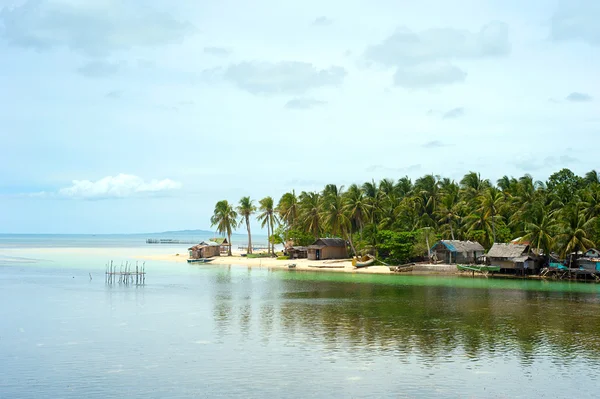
<point x="138" y="116"/>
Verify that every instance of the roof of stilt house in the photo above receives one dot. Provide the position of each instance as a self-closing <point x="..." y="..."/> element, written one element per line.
<point x="220" y="240"/>
<point x="461" y="246"/>
<point x="328" y="242"/>
<point x="501" y="250"/>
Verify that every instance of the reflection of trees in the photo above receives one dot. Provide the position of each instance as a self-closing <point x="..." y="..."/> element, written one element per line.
<point x="431" y="321"/>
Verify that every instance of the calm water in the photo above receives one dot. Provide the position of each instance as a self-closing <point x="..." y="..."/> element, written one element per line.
<point x="215" y="331"/>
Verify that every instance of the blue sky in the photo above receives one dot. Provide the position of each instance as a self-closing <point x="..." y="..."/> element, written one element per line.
<point x="132" y="118"/>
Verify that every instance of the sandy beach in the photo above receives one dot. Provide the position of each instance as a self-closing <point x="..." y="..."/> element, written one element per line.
<point x="341" y="265"/>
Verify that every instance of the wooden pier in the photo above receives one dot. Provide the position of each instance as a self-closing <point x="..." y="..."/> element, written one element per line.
<point x="125" y="273"/>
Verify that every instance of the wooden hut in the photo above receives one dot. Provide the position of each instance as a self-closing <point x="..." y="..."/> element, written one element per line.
<point x="517" y="257"/>
<point x="206" y="249"/>
<point x="297" y="252"/>
<point x="590" y="261"/>
<point x="223" y="244"/>
<point x="328" y="248"/>
<point x="455" y="251"/>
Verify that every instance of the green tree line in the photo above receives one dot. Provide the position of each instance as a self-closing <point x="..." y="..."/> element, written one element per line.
<point x="560" y="215"/>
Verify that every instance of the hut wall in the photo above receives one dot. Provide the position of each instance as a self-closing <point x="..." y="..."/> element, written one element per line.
<point x="590" y="265"/>
<point x="210" y="251"/>
<point x="311" y="254"/>
<point x="504" y="264"/>
<point x="334" y="253"/>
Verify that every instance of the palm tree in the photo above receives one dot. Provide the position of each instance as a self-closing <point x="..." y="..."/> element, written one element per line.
<point x="449" y="211"/>
<point x="225" y="218"/>
<point x="267" y="217"/>
<point x="491" y="202"/>
<point x="541" y="229"/>
<point x="357" y="207"/>
<point x="287" y="208"/>
<point x="574" y="229"/>
<point x="246" y="208"/>
<point x="310" y="205"/>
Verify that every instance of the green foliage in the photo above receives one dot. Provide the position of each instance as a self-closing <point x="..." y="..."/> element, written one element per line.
<point x="283" y="257"/>
<point x="556" y="216"/>
<point x="395" y="247"/>
<point x="299" y="237"/>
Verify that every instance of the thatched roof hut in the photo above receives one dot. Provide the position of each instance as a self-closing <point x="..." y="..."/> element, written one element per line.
<point x="456" y="251"/>
<point x="206" y="249"/>
<point x="513" y="256"/>
<point x="223" y="243"/>
<point x="328" y="248"/>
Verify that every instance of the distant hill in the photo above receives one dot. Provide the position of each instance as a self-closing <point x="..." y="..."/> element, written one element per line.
<point x="192" y="233"/>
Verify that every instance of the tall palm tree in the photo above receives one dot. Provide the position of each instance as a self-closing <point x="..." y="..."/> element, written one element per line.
<point x="491" y="202"/>
<point x="310" y="205"/>
<point x="574" y="229"/>
<point x="287" y="208"/>
<point x="245" y="209"/>
<point x="267" y="217"/>
<point x="357" y="207"/>
<point x="225" y="218"/>
<point x="541" y="228"/>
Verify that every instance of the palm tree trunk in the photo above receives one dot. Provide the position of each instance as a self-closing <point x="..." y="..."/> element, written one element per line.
<point x="272" y="232"/>
<point x="249" y="249"/>
<point x="451" y="231"/>
<point x="493" y="229"/>
<point x="268" y="238"/>
<point x="229" y="241"/>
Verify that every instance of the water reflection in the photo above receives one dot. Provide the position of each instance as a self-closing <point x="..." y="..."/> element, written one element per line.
<point x="433" y="323"/>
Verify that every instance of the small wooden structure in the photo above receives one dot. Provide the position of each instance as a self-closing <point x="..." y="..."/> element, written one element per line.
<point x="513" y="257"/>
<point x="455" y="251"/>
<point x="206" y="249"/>
<point x="125" y="274"/>
<point x="297" y="252"/>
<point x="224" y="245"/>
<point x="590" y="261"/>
<point x="328" y="248"/>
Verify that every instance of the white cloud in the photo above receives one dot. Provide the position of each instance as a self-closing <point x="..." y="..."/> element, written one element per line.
<point x="120" y="186"/>
<point x="454" y="113"/>
<point x="303" y="103"/>
<point x="428" y="75"/>
<point x="322" y="21"/>
<point x="423" y="59"/>
<point x="578" y="97"/>
<point x="577" y="20"/>
<point x="282" y="77"/>
<point x="92" y="27"/>
<point x="99" y="69"/>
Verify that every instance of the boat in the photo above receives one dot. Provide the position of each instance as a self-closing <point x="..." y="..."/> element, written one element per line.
<point x="479" y="268"/>
<point x="291" y="266"/>
<point x="201" y="260"/>
<point x="364" y="261"/>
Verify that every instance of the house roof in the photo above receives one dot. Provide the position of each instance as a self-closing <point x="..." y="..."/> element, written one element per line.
<point x="500" y="250"/>
<point x="329" y="242"/>
<point x="210" y="243"/>
<point x="220" y="240"/>
<point x="461" y="246"/>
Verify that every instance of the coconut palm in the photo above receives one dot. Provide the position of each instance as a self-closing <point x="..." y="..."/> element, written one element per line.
<point x="541" y="228"/>
<point x="245" y="209"/>
<point x="574" y="228"/>
<point x="491" y="202"/>
<point x="287" y="208"/>
<point x="357" y="206"/>
<point x="268" y="218"/>
<point x="225" y="218"/>
<point x="310" y="206"/>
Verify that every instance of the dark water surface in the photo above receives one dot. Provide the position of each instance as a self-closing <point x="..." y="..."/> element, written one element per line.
<point x="217" y="331"/>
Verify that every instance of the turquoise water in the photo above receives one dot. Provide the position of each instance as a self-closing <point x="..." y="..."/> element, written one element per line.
<point x="218" y="331"/>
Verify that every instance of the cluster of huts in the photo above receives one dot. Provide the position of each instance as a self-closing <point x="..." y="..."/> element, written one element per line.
<point x="514" y="257"/>
<point x="207" y="249"/>
<point x="322" y="248"/>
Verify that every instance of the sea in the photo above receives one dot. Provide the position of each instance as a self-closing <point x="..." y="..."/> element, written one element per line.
<point x="212" y="331"/>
